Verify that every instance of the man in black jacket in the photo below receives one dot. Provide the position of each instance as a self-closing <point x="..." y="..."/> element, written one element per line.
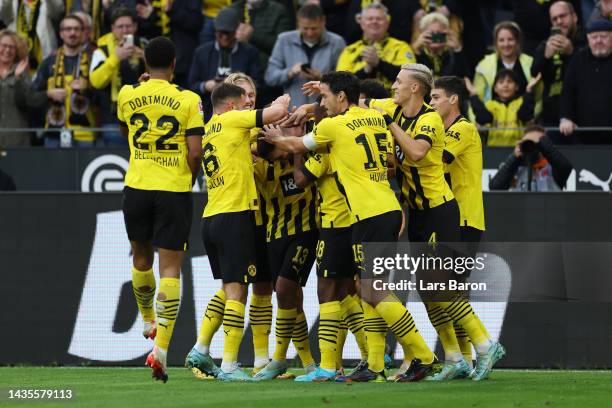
<point x="215" y="60"/>
<point x="535" y="165"/>
<point x="587" y="88"/>
<point x="551" y="59"/>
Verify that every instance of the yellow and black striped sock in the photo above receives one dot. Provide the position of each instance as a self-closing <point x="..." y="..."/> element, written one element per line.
<point x="143" y="284"/>
<point x="301" y="341"/>
<point x="342" y="332"/>
<point x="375" y="330"/>
<point x="233" y="327"/>
<point x="285" y="323"/>
<point x="167" y="306"/>
<point x="352" y="314"/>
<point x="444" y="327"/>
<point x="260" y="319"/>
<point x="464" y="342"/>
<point x="329" y="322"/>
<point x="403" y="327"/>
<point x="212" y="319"/>
<point x="462" y="313"/>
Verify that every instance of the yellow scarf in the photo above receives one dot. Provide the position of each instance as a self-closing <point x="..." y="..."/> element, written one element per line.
<point x="27" y="16"/>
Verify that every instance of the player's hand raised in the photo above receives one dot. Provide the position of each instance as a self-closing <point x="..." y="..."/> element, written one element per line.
<point x="284" y="99"/>
<point x="271" y="133"/>
<point x="297" y="117"/>
<point x="311" y="88"/>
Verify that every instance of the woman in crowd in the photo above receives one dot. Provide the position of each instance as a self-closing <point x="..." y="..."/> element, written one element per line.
<point x="14" y="87"/>
<point x="508" y="55"/>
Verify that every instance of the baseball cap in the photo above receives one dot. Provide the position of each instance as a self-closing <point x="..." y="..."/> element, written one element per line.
<point x="227" y="20"/>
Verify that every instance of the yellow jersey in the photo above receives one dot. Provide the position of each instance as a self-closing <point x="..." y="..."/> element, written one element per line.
<point x="159" y="116"/>
<point x="358" y="143"/>
<point x="289" y="209"/>
<point x="422" y="183"/>
<point x="228" y="163"/>
<point x="463" y="158"/>
<point x="332" y="206"/>
<point x="212" y="7"/>
<point x="505" y="115"/>
<point x="390" y="50"/>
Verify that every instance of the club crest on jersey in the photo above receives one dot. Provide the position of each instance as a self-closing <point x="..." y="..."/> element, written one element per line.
<point x="252" y="270"/>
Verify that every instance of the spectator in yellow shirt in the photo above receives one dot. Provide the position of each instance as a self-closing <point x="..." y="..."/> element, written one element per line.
<point x="508" y="111"/>
<point x="377" y="55"/>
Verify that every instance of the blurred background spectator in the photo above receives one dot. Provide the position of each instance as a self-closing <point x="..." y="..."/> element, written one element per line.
<point x="508" y="111"/>
<point x="535" y="165"/>
<point x="586" y="99"/>
<point x="210" y="10"/>
<point x="186" y="21"/>
<point x="62" y="87"/>
<point x="401" y="18"/>
<point x="304" y="54"/>
<point x="261" y="21"/>
<point x="376" y="55"/>
<point x="14" y="89"/>
<point x="507" y="55"/>
<point x="601" y="11"/>
<point x="119" y="60"/>
<point x="439" y="48"/>
<point x="551" y="59"/>
<point x="216" y="60"/>
<point x="89" y="46"/>
<point x="34" y="20"/>
<point x="533" y="18"/>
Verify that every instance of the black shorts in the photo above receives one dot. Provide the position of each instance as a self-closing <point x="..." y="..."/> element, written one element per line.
<point x="229" y="239"/>
<point x="292" y="257"/>
<point x="160" y="217"/>
<point x="380" y="228"/>
<point x="470" y="237"/>
<point x="438" y="224"/>
<point x="261" y="254"/>
<point x="335" y="254"/>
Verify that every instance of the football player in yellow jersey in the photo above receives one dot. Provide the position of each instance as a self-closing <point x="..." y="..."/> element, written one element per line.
<point x="260" y="309"/>
<point x="164" y="125"/>
<point x="335" y="267"/>
<point x="358" y="142"/>
<point x="227" y="226"/>
<point x="433" y="215"/>
<point x="463" y="157"/>
<point x="291" y="230"/>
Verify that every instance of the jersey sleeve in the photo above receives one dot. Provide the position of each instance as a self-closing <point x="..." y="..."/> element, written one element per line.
<point x="247" y="119"/>
<point x="324" y="133"/>
<point x="316" y="166"/>
<point x="427" y="127"/>
<point x="457" y="139"/>
<point x="195" y="121"/>
<point x="387" y="105"/>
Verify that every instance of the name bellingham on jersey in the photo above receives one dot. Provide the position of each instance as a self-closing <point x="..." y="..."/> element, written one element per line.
<point x="159" y="115"/>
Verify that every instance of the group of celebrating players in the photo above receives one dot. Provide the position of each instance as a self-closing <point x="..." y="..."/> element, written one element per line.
<point x="288" y="187"/>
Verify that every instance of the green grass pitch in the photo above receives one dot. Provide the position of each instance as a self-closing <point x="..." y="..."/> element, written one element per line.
<point x="129" y="387"/>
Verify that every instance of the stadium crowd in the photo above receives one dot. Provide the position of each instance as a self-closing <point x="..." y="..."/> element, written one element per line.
<point x="62" y="63"/>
